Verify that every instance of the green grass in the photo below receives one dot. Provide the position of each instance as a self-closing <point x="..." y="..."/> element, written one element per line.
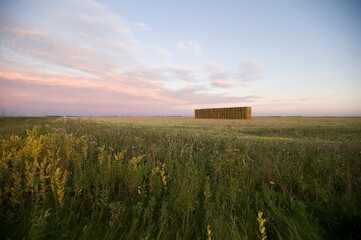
<point x="303" y="174"/>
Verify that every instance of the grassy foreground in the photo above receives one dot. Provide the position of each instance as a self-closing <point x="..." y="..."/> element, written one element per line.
<point x="180" y="178"/>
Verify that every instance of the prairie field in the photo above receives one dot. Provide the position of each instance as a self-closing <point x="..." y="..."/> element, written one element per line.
<point x="180" y="178"/>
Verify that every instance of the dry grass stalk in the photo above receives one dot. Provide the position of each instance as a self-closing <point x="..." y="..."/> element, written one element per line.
<point x="209" y="232"/>
<point x="58" y="185"/>
<point x="262" y="228"/>
<point x="163" y="175"/>
<point x="16" y="190"/>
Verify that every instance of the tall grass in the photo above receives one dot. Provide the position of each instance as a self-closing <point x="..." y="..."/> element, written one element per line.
<point x="81" y="180"/>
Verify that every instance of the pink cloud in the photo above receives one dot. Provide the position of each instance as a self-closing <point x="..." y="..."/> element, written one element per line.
<point x="25" y="32"/>
<point x="221" y="83"/>
<point x="141" y="89"/>
<point x="46" y="79"/>
<point x="141" y="92"/>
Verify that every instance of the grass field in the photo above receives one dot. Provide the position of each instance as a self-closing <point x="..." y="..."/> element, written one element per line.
<point x="180" y="178"/>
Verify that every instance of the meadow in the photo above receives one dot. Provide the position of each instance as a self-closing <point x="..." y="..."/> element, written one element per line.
<point x="180" y="178"/>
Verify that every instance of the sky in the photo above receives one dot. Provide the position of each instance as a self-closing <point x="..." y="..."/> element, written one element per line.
<point x="155" y="58"/>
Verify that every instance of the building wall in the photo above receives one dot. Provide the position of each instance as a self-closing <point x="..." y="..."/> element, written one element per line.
<point x="224" y="113"/>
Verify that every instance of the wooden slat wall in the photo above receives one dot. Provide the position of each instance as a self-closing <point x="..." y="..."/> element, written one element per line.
<point x="224" y="113"/>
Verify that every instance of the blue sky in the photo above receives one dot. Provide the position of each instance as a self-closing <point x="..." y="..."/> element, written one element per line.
<point x="87" y="57"/>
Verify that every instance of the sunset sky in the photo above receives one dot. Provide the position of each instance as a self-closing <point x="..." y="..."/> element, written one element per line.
<point x="141" y="57"/>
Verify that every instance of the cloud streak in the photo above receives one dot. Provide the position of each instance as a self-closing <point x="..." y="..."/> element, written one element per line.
<point x="221" y="83"/>
<point x="162" y="52"/>
<point x="143" y="26"/>
<point x="190" y="47"/>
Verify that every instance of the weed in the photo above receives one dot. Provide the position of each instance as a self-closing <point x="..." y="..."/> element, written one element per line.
<point x="180" y="178"/>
